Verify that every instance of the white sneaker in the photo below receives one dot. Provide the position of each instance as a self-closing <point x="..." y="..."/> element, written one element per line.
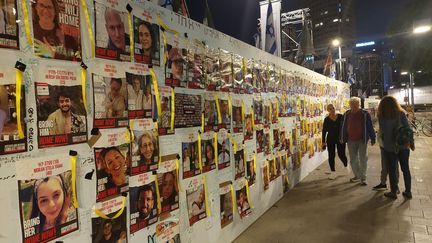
<point x="332" y="175"/>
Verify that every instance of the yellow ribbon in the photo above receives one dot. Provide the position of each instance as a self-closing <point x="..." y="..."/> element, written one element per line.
<point x="254" y="162"/>
<point x="277" y="108"/>
<point x="127" y="136"/>
<point x="26" y="22"/>
<point x="156" y="90"/>
<point x="159" y="205"/>
<point x="83" y="87"/>
<point x="89" y="28"/>
<point x="242" y="110"/>
<point x="131" y="125"/>
<point x="244" y="156"/>
<point x="206" y="198"/>
<point x="233" y="198"/>
<point x="172" y="108"/>
<point x="274" y="164"/>
<point x="177" y="174"/>
<point x="218" y="109"/>
<point x="102" y="215"/>
<point x="18" y="83"/>
<point x="165" y="46"/>
<point x="229" y="105"/>
<point x="199" y="152"/>
<point x="161" y="23"/>
<point x="74" y="194"/>
<point x="233" y="142"/>
<point x="247" y="193"/>
<point x="215" y="143"/>
<point x="131" y="42"/>
<point x="202" y="122"/>
<point x="268" y="170"/>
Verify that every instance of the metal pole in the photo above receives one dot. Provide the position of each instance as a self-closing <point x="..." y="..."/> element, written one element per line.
<point x="340" y="52"/>
<point x="412" y="89"/>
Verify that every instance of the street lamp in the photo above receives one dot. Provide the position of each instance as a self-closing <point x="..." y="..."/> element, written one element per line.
<point x="421" y="29"/>
<point x="337" y="43"/>
<point x="421" y="26"/>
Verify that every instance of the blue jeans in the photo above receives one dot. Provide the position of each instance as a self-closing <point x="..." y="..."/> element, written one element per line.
<point x="403" y="157"/>
<point x="358" y="158"/>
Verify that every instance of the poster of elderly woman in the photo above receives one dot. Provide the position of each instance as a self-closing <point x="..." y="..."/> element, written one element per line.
<point x="46" y="198"/>
<point x="56" y="29"/>
<point x="145" y="146"/>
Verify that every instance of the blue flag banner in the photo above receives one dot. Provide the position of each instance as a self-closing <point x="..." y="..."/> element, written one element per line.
<point x="270" y="38"/>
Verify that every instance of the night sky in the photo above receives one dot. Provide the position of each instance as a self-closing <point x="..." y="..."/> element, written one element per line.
<point x="239" y="18"/>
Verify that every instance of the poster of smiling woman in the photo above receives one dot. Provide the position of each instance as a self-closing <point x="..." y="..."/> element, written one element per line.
<point x="46" y="196"/>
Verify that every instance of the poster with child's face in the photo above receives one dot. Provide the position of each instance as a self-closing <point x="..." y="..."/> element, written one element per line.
<point x="139" y="91"/>
<point x="208" y="151"/>
<point x="111" y="227"/>
<point x="46" y="199"/>
<point x="56" y="29"/>
<point x="167" y="177"/>
<point x="145" y="146"/>
<point x="10" y="142"/>
<point x="112" y="158"/>
<point x="196" y="201"/>
<point x="143" y="201"/>
<point x="146" y="41"/>
<point x="223" y="149"/>
<point x="175" y="66"/>
<point x="226" y="203"/>
<point x="110" y="96"/>
<point x="111" y="30"/>
<point x="61" y="114"/>
<point x="9" y="26"/>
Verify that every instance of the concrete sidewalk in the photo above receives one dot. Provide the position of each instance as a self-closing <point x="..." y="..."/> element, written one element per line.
<point x="321" y="210"/>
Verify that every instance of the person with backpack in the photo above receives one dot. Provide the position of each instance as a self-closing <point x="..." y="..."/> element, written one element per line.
<point x="397" y="140"/>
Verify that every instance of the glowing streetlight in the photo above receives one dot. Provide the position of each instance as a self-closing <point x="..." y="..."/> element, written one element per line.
<point x="404" y="73"/>
<point x="337" y="43"/>
<point x="421" y="29"/>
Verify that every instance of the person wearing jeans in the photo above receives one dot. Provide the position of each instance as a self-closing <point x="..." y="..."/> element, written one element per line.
<point x="391" y="118"/>
<point x="356" y="130"/>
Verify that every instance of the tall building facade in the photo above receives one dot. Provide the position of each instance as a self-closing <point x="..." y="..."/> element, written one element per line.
<point x="332" y="19"/>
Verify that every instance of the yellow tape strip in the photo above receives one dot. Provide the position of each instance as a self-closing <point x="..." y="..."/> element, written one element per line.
<point x="177" y="174"/>
<point x="159" y="205"/>
<point x="244" y="156"/>
<point x="74" y="194"/>
<point x="233" y="198"/>
<point x="172" y="108"/>
<point x="26" y="22"/>
<point x="208" y="211"/>
<point x="253" y="120"/>
<point x="215" y="144"/>
<point x="161" y="23"/>
<point x="131" y="39"/>
<point x="89" y="28"/>
<point x="165" y="46"/>
<point x="233" y="142"/>
<point x="127" y="136"/>
<point x="247" y="193"/>
<point x="271" y="113"/>
<point x="274" y="164"/>
<point x="202" y="122"/>
<point x="229" y="105"/>
<point x="199" y="153"/>
<point x="277" y="108"/>
<point x="83" y="86"/>
<point x="254" y="162"/>
<point x="102" y="215"/>
<point x="18" y="83"/>
<point x="218" y="109"/>
<point x="242" y="111"/>
<point x="156" y="90"/>
<point x="131" y="125"/>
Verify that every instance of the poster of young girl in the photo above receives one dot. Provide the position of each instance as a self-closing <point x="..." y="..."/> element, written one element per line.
<point x="61" y="115"/>
<point x="56" y="29"/>
<point x="223" y="149"/>
<point x="110" y="95"/>
<point x="109" y="223"/>
<point x="112" y="37"/>
<point x="190" y="155"/>
<point x="140" y="91"/>
<point x="167" y="178"/>
<point x="143" y="201"/>
<point x="46" y="196"/>
<point x="112" y="158"/>
<point x="242" y="198"/>
<point x="175" y="66"/>
<point x="10" y="142"/>
<point x="146" y="39"/>
<point x="208" y="151"/>
<point x="196" y="198"/>
<point x="145" y="146"/>
<point x="226" y="194"/>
